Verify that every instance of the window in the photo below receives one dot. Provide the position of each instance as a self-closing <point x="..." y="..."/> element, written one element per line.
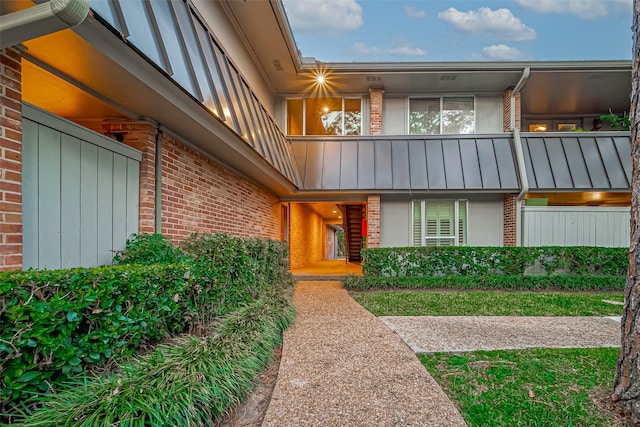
<point x="324" y="116"/>
<point x="432" y="116"/>
<point x="439" y="222"/>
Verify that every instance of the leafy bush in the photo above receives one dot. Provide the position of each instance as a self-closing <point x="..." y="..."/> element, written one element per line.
<point x="191" y="381"/>
<point x="489" y="282"/>
<point x="148" y="249"/>
<point x="472" y="261"/>
<point x="54" y="323"/>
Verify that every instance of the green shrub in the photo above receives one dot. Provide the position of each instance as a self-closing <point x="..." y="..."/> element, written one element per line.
<point x="54" y="323"/>
<point x="191" y="381"/>
<point x="472" y="261"/>
<point x="489" y="282"/>
<point x="148" y="249"/>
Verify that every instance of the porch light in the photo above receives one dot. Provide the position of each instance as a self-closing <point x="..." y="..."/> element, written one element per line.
<point x="320" y="79"/>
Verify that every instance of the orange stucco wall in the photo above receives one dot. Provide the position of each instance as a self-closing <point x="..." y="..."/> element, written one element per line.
<point x="307" y="236"/>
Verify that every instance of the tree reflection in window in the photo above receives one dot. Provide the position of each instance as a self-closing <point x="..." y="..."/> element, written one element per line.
<point x="325" y="116"/>
<point x="432" y="116"/>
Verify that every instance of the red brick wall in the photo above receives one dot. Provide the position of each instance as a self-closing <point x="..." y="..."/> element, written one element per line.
<point x="373" y="221"/>
<point x="307" y="236"/>
<point x="509" y="220"/>
<point x="200" y="196"/>
<point x="506" y="110"/>
<point x="375" y="111"/>
<point x="10" y="159"/>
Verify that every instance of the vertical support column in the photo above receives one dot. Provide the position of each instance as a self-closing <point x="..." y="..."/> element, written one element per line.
<point x="506" y="110"/>
<point x="509" y="220"/>
<point x="373" y="221"/>
<point x="375" y="111"/>
<point x="10" y="159"/>
<point x="141" y="136"/>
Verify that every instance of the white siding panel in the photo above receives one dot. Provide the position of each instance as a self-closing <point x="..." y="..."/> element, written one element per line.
<point x="394" y="116"/>
<point x="485" y="223"/>
<point x="395" y="217"/>
<point x="78" y="202"/>
<point x="49" y="198"/>
<point x="119" y="201"/>
<point x="70" y="206"/>
<point x="489" y="114"/>
<point x="89" y="204"/>
<point x="575" y="226"/>
<point x="105" y="201"/>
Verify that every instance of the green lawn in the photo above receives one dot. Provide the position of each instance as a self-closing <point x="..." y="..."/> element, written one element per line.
<point x="536" y="387"/>
<point x="488" y="303"/>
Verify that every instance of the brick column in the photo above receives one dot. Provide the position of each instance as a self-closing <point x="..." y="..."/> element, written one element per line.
<point x="141" y="136"/>
<point x="509" y="219"/>
<point x="506" y="110"/>
<point x="375" y="111"/>
<point x="10" y="159"/>
<point x="373" y="221"/>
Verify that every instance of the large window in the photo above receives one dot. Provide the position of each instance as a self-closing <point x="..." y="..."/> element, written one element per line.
<point x="324" y="116"/>
<point x="432" y="116"/>
<point x="439" y="222"/>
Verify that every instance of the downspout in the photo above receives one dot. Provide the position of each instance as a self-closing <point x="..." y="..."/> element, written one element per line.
<point x="517" y="144"/>
<point x="158" y="184"/>
<point x="42" y="19"/>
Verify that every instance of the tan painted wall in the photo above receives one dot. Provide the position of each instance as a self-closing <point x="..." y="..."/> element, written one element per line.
<point x="307" y="236"/>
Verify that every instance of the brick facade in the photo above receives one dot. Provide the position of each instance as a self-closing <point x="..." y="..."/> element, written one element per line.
<point x="373" y="221"/>
<point x="375" y="111"/>
<point x="506" y="110"/>
<point x="10" y="159"/>
<point x="509" y="220"/>
<point x="201" y="196"/>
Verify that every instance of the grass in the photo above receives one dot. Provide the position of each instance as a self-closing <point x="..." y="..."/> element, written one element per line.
<point x="535" y="387"/>
<point x="488" y="303"/>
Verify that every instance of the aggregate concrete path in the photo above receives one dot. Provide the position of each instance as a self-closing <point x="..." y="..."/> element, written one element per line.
<point x="341" y="366"/>
<point x="430" y="334"/>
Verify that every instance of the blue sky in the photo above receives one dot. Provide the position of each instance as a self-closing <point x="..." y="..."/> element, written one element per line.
<point x="461" y="30"/>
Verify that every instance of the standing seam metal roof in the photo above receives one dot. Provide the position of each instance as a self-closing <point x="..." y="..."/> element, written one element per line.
<point x="553" y="162"/>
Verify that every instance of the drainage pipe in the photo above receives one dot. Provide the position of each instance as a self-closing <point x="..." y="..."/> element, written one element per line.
<point x="517" y="144"/>
<point x="42" y="19"/>
<point x="158" y="184"/>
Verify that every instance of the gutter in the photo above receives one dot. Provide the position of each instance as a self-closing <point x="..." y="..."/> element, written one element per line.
<point x="517" y="145"/>
<point x="42" y="19"/>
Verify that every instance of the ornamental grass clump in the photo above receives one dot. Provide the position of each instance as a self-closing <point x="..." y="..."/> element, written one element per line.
<point x="190" y="381"/>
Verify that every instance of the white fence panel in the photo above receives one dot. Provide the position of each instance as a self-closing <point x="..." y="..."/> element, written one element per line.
<point x="80" y="193"/>
<point x="575" y="226"/>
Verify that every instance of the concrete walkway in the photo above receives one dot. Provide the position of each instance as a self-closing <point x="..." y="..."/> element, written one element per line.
<point x="341" y="366"/>
<point x="432" y="334"/>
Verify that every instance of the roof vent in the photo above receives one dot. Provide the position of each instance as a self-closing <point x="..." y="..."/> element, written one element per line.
<point x="374" y="78"/>
<point x="449" y="77"/>
<point x="276" y="63"/>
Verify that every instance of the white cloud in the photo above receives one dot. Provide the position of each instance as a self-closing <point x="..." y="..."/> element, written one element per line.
<point x="413" y="12"/>
<point x="323" y="16"/>
<point x="500" y="23"/>
<point x="501" y="52"/>
<point x="587" y="9"/>
<point x="401" y="49"/>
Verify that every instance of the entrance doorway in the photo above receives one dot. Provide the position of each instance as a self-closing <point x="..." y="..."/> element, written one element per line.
<point x="326" y="231"/>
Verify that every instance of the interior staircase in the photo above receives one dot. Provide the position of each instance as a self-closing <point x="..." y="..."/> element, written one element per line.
<point x="352" y="224"/>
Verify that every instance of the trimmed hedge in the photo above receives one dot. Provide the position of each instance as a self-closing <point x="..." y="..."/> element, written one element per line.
<point x="489" y="282"/>
<point x="191" y="381"/>
<point x="472" y="261"/>
<point x="55" y="324"/>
